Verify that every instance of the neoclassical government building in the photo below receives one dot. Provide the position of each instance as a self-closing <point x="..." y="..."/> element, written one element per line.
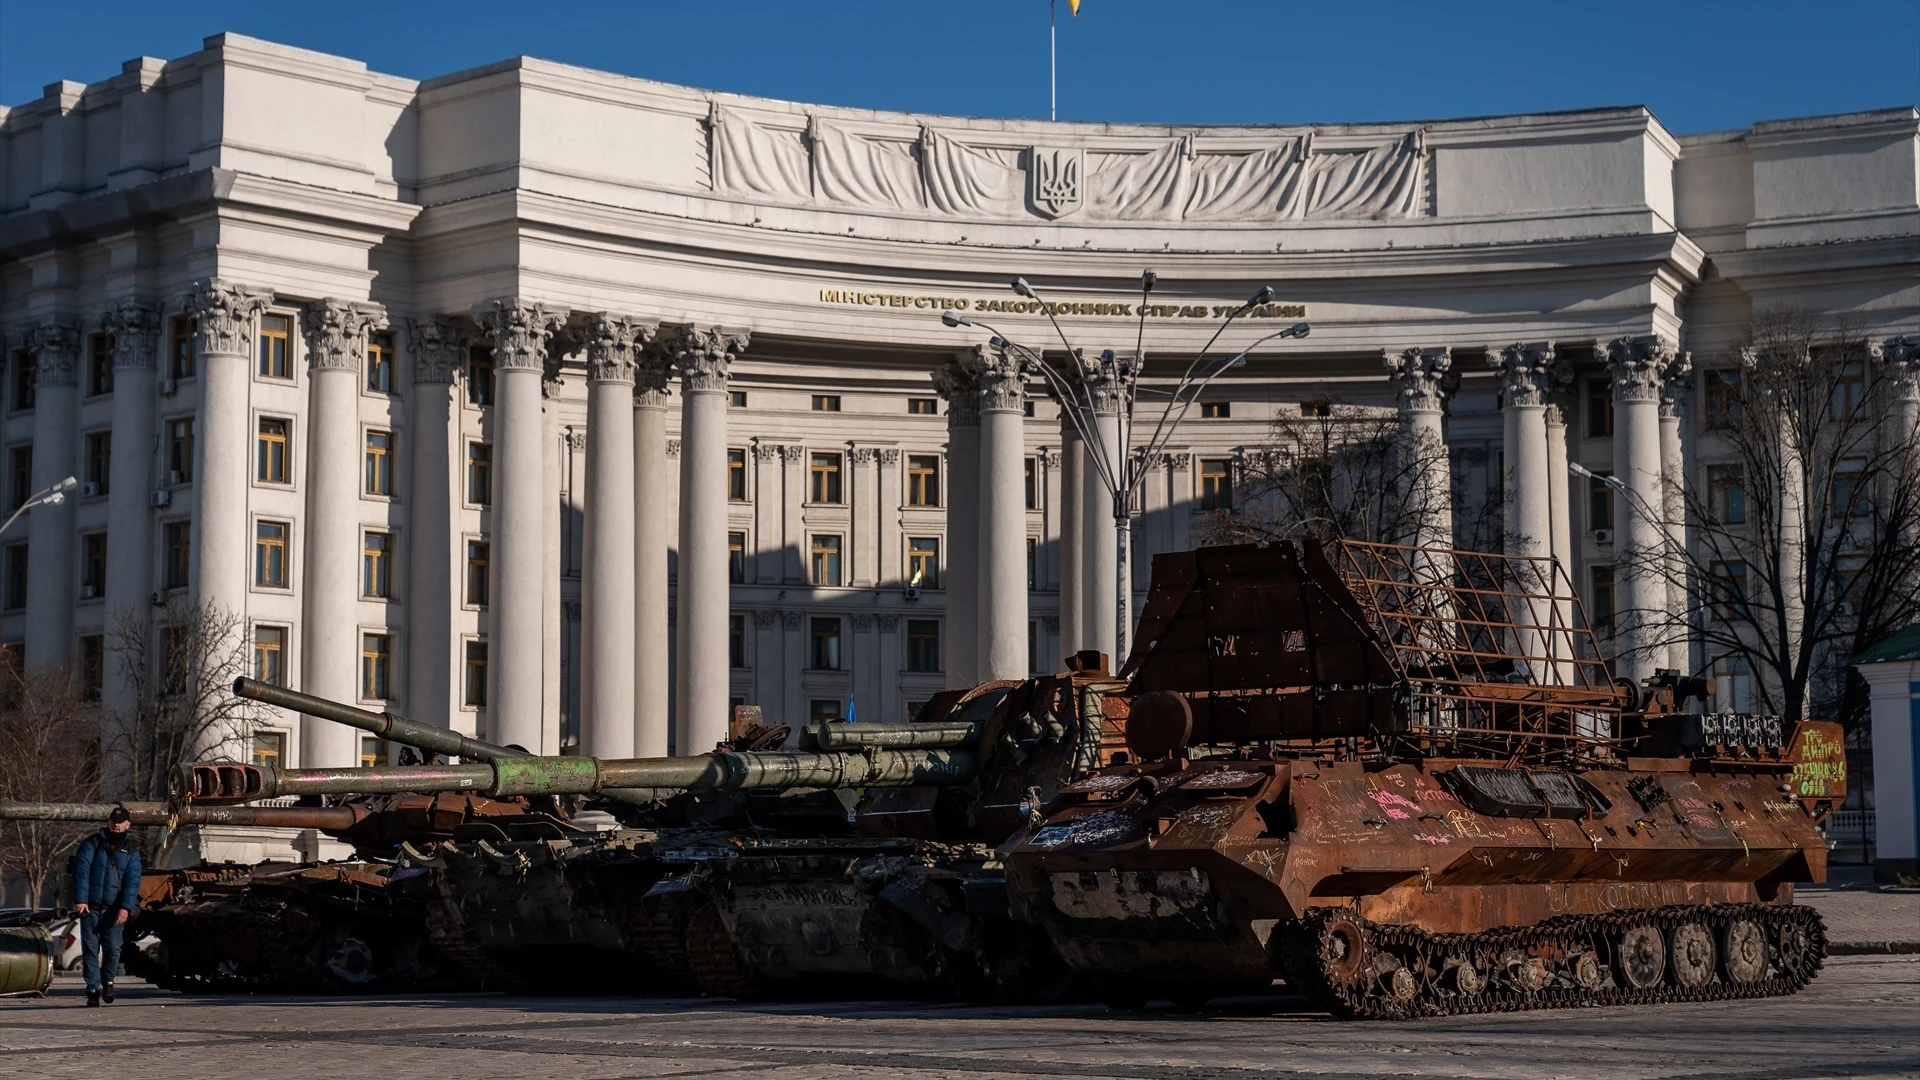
<point x="570" y="408"/>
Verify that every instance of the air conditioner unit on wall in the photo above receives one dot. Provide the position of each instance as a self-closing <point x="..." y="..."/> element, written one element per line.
<point x="89" y="490"/>
<point x="161" y="498"/>
<point x="1603" y="536"/>
<point x="174" y="479"/>
<point x="88" y="592"/>
<point x="166" y="386"/>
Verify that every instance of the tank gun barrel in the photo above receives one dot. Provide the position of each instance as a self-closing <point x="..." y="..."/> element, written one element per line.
<point x="936" y="736"/>
<point x="386" y="725"/>
<point x="325" y="818"/>
<point x="729" y="771"/>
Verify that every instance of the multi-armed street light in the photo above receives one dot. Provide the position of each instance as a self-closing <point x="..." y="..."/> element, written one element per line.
<point x="1111" y="450"/>
<point x="50" y="496"/>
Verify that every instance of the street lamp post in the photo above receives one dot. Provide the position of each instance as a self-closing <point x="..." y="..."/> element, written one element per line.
<point x="51" y="496"/>
<point x="1117" y="471"/>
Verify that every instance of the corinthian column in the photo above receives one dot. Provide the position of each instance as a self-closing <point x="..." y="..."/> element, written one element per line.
<point x="1675" y="383"/>
<point x="653" y="535"/>
<point x="336" y="353"/>
<point x="1106" y="584"/>
<point x="1425" y="380"/>
<point x="1068" y="513"/>
<point x="956" y="383"/>
<point x="225" y="316"/>
<point x="516" y="637"/>
<point x="136" y="330"/>
<point x="55" y="347"/>
<point x="606" y="590"/>
<point x="436" y="349"/>
<point x="1637" y="365"/>
<point x="1900" y="427"/>
<point x="1003" y="514"/>
<point x="703" y="356"/>
<point x="1525" y="373"/>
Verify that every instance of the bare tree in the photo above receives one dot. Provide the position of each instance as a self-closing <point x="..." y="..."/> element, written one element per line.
<point x="1802" y="547"/>
<point x="184" y="710"/>
<point x="49" y="752"/>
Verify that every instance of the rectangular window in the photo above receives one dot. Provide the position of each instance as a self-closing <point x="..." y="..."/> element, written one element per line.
<point x="826" y="403"/>
<point x="737" y="558"/>
<point x="480" y="473"/>
<point x="373" y="751"/>
<point x="823" y="653"/>
<point x="923" y="406"/>
<point x="736" y="399"/>
<point x="826" y="560"/>
<point x="93" y="565"/>
<point x="1317" y="408"/>
<point x="1851" y="490"/>
<point x="923" y="480"/>
<point x="270" y="554"/>
<point x="1033" y="497"/>
<point x="269" y="749"/>
<point x="19" y="476"/>
<point x="826" y="478"/>
<point x="100" y="460"/>
<point x="376" y="566"/>
<point x="737" y="475"/>
<point x="1033" y="564"/>
<point x="376" y="666"/>
<point x="379" y="463"/>
<point x="1599" y="502"/>
<point x="1027" y="407"/>
<point x="480" y="376"/>
<point x="1729" y="589"/>
<point x="1848" y="570"/>
<point x="99" y="364"/>
<point x="1216" y="484"/>
<point x="1599" y="408"/>
<point x="180" y="451"/>
<point x="1723" y="397"/>
<point x="177" y="539"/>
<point x="180" y="349"/>
<point x="93" y="666"/>
<point x="479" y="555"/>
<point x="26" y="375"/>
<point x="273" y="441"/>
<point x="270" y="655"/>
<point x="1733" y="685"/>
<point x="1600" y="599"/>
<point x="380" y="362"/>
<point x="736" y="641"/>
<point x="476" y="674"/>
<point x="923" y="645"/>
<point x="923" y="562"/>
<point x="16" y="570"/>
<point x="1216" y="410"/>
<point x="824" y="711"/>
<point x="1849" y="390"/>
<point x="276" y="336"/>
<point x="1727" y="489"/>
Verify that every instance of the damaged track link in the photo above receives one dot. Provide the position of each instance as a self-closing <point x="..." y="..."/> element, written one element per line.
<point x="1356" y="969"/>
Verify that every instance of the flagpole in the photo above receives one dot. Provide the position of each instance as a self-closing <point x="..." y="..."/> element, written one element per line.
<point x="1053" y="64"/>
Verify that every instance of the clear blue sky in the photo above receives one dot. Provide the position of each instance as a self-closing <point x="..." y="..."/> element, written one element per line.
<point x="1701" y="66"/>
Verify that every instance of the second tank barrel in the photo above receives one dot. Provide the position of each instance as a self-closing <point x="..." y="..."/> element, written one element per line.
<point x="157" y="813"/>
<point x="386" y="725"/>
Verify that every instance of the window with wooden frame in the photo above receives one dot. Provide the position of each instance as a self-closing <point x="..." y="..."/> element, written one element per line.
<point x="99" y="364"/>
<point x="1600" y="598"/>
<point x="736" y="641"/>
<point x="273" y="443"/>
<point x="923" y="406"/>
<point x="825" y="560"/>
<point x="269" y="749"/>
<point x="379" y="463"/>
<point x="373" y="751"/>
<point x="270" y="655"/>
<point x="376" y="666"/>
<point x="826" y="478"/>
<point x="99" y="456"/>
<point x="923" y="562"/>
<point x="1032" y="492"/>
<point x="270" y="554"/>
<point x="376" y="565"/>
<point x="826" y="403"/>
<point x="180" y="450"/>
<point x="1599" y="502"/>
<point x="823" y="652"/>
<point x="736" y="475"/>
<point x="923" y="645"/>
<point x="93" y="565"/>
<point x="1599" y="408"/>
<point x="1216" y="410"/>
<point x="480" y="473"/>
<point x="1727" y="493"/>
<point x="1723" y="396"/>
<point x="923" y="479"/>
<point x="1216" y="484"/>
<point x="480" y="376"/>
<point x="276" y="346"/>
<point x="737" y="558"/>
<point x="479" y="559"/>
<point x="380" y="359"/>
<point x="475" y="674"/>
<point x="180" y="359"/>
<point x="177" y="544"/>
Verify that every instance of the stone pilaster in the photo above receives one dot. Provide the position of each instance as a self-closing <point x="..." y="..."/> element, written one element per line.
<point x="1526" y="373"/>
<point x="703" y="356"/>
<point x="437" y="346"/>
<point x="957" y="384"/>
<point x="1676" y="383"/>
<point x="135" y="327"/>
<point x="55" y="348"/>
<point x="517" y="614"/>
<point x="608" y="687"/>
<point x="1638" y="366"/>
<point x="1105" y="606"/>
<point x="1002" y="629"/>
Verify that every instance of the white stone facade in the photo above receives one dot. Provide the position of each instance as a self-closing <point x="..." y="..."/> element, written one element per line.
<point x="346" y="251"/>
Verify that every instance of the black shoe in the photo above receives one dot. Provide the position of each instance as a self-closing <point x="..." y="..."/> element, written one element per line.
<point x="106" y="993"/>
<point x="93" y="999"/>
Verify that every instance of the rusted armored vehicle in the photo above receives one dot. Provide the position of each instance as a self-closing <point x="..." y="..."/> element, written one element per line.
<point x="1403" y="781"/>
<point x="866" y="851"/>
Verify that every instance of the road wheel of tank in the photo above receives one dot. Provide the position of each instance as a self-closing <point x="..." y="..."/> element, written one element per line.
<point x="1640" y="956"/>
<point x="1346" y="950"/>
<point x="1584" y="970"/>
<point x="345" y="958"/>
<point x="1743" y="952"/>
<point x="1795" y="947"/>
<point x="1690" y="957"/>
<point x="1463" y="975"/>
<point x="1121" y="994"/>
<point x="1525" y="973"/>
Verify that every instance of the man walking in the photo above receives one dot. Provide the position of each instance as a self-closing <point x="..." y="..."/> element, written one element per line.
<point x="106" y="891"/>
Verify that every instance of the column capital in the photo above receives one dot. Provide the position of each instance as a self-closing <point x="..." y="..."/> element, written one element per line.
<point x="956" y="382"/>
<point x="224" y="315"/>
<point x="1108" y="378"/>
<point x="861" y="455"/>
<point x="614" y="346"/>
<point x="135" y="327"/>
<point x="437" y="346"/>
<point x="337" y="332"/>
<point x="1001" y="377"/>
<point x="703" y="354"/>
<point x="1426" y="378"/>
<point x="887" y="623"/>
<point x="1526" y="372"/>
<point x="1676" y="384"/>
<point x="765" y="451"/>
<point x="1902" y="357"/>
<point x="766" y="618"/>
<point x="1637" y="365"/>
<point x="55" y="346"/>
<point x="520" y="332"/>
<point x="890" y="456"/>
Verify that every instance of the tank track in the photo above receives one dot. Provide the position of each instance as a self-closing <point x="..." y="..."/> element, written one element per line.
<point x="715" y="963"/>
<point x="1358" y="969"/>
<point x="449" y="935"/>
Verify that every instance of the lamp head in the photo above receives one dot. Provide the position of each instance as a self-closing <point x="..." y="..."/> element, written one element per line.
<point x="55" y="498"/>
<point x="1020" y="286"/>
<point x="66" y="485"/>
<point x="1147" y="280"/>
<point x="1264" y="296"/>
<point x="952" y="319"/>
<point x="1299" y="329"/>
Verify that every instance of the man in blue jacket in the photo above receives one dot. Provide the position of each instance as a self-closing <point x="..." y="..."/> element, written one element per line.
<point x="106" y="891"/>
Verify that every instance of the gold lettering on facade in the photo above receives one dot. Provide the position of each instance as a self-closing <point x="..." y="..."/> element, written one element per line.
<point x="864" y="298"/>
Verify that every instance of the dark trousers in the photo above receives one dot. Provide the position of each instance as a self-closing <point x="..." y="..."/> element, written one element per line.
<point x="93" y="943"/>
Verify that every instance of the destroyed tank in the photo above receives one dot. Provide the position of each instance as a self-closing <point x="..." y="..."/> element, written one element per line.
<point x="865" y="852"/>
<point x="1403" y="781"/>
